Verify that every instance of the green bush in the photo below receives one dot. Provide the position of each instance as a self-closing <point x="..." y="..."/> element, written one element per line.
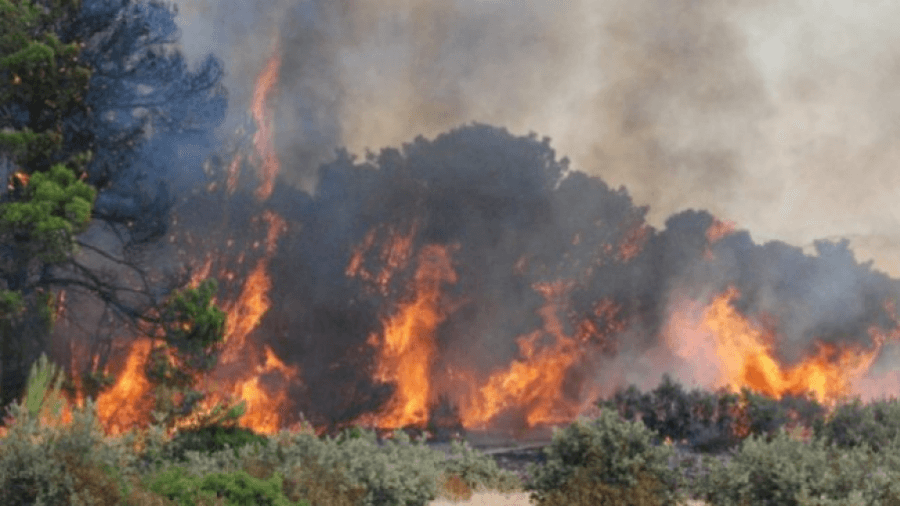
<point x="478" y="471"/>
<point x="607" y="460"/>
<point x="707" y="420"/>
<point x="68" y="464"/>
<point x="237" y="488"/>
<point x="395" y="473"/>
<point x="785" y="471"/>
<point x="210" y="439"/>
<point x="853" y="424"/>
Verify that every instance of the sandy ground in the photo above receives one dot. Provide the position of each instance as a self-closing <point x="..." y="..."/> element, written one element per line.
<point x="509" y="499"/>
<point x="488" y="499"/>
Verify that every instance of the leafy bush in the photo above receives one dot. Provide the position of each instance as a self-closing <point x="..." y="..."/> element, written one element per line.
<point x="476" y="470"/>
<point x="788" y="472"/>
<point x="210" y="439"/>
<point x="710" y="422"/>
<point x="853" y="425"/>
<point x="392" y="473"/>
<point x="63" y="464"/>
<point x="604" y="461"/>
<point x="704" y="419"/>
<point x="238" y="488"/>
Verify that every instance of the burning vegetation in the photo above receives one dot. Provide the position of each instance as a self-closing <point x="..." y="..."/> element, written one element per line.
<point x="473" y="280"/>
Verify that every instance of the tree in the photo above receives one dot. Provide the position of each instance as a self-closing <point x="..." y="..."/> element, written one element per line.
<point x="193" y="330"/>
<point x="92" y="95"/>
<point x="46" y="205"/>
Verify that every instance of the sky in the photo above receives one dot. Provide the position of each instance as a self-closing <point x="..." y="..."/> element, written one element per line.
<point x="778" y="115"/>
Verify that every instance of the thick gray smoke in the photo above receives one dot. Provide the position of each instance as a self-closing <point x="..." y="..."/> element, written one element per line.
<point x="514" y="218"/>
<point x="777" y="115"/>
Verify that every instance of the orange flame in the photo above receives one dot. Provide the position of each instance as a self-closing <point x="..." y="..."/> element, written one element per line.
<point x="233" y="173"/>
<point x="128" y="402"/>
<point x="734" y="352"/>
<point x="263" y="140"/>
<point x="535" y="382"/>
<point x="408" y="348"/>
<point x="247" y="311"/>
<point x="719" y="229"/>
<point x="263" y="409"/>
<point x="395" y="253"/>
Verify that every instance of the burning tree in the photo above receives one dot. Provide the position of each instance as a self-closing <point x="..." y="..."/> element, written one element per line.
<point x="91" y="96"/>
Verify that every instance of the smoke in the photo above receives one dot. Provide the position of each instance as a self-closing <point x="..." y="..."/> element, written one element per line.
<point x="517" y="224"/>
<point x="777" y="115"/>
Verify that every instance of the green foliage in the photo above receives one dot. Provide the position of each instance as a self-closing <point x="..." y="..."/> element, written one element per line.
<point x="43" y="387"/>
<point x="55" y="464"/>
<point x="212" y="438"/>
<point x="11" y="303"/>
<point x="852" y="424"/>
<point x="583" y="489"/>
<point x="784" y="471"/>
<point x="193" y="329"/>
<point x="193" y="323"/>
<point x="43" y="76"/>
<point x="476" y="470"/>
<point x="238" y="488"/>
<point x="710" y="422"/>
<point x="56" y="207"/>
<point x="606" y="452"/>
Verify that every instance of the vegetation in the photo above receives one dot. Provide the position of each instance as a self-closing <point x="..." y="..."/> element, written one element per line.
<point x="607" y="460"/>
<point x="69" y="75"/>
<point x="604" y="461"/>
<point x="711" y="421"/>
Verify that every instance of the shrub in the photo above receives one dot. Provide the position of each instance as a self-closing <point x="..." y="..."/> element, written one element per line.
<point x="210" y="439"/>
<point x="606" y="459"/>
<point x="319" y="485"/>
<point x="237" y="488"/>
<point x="853" y="424"/>
<point x="710" y="422"/>
<point x="393" y="473"/>
<point x="476" y="470"/>
<point x="63" y="464"/>
<point x="788" y="472"/>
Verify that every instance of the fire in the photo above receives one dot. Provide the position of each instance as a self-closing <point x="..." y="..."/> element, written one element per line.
<point x="128" y="403"/>
<point x="247" y="311"/>
<point x="233" y="172"/>
<point x="263" y="410"/>
<point x="535" y="382"/>
<point x="633" y="243"/>
<point x="408" y="347"/>
<point x="395" y="253"/>
<point x="263" y="140"/>
<point x="719" y="229"/>
<point x="740" y="354"/>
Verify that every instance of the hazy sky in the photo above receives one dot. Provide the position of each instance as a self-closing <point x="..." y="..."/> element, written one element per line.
<point x="779" y="115"/>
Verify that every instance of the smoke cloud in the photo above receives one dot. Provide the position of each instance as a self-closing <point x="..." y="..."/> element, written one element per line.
<point x="777" y="115"/>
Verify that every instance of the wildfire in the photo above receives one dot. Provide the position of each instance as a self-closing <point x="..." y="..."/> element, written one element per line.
<point x="719" y="229"/>
<point x="735" y="352"/>
<point x="263" y="140"/>
<point x="128" y="403"/>
<point x="535" y="382"/>
<point x="264" y="409"/>
<point x="408" y="347"/>
<point x="395" y="253"/>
